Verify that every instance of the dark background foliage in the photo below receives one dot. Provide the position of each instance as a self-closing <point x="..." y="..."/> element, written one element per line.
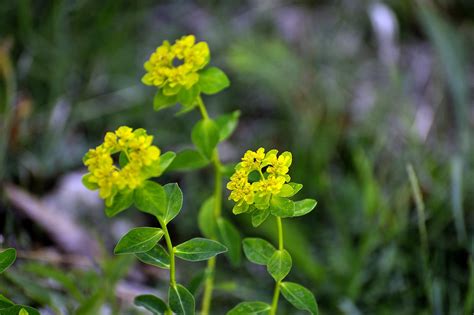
<point x="357" y="90"/>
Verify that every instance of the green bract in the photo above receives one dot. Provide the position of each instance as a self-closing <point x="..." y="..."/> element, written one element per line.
<point x="212" y="80"/>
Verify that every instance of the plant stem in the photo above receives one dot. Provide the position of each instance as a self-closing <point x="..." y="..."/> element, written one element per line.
<point x="276" y="292"/>
<point x="211" y="263"/>
<point x="280" y="233"/>
<point x="209" y="286"/>
<point x="202" y="108"/>
<point x="276" y="295"/>
<point x="171" y="252"/>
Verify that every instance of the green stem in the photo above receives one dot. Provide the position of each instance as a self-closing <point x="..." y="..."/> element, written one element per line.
<point x="211" y="263"/>
<point x="202" y="108"/>
<point x="280" y="233"/>
<point x="276" y="292"/>
<point x="171" y="252"/>
<point x="209" y="286"/>
<point x="276" y="295"/>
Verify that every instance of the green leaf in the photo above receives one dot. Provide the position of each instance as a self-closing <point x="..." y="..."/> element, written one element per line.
<point x="296" y="188"/>
<point x="212" y="80"/>
<point x="304" y="206"/>
<point x="16" y="310"/>
<point x="157" y="256"/>
<point x="205" y="136"/>
<point x="286" y="191"/>
<point x="227" y="124"/>
<point x="206" y="219"/>
<point x="188" y="160"/>
<point x="171" y="90"/>
<point x="4" y="302"/>
<point x="152" y="303"/>
<point x="250" y="308"/>
<point x="161" y="101"/>
<point x="187" y="97"/>
<point x="181" y="301"/>
<point x="174" y="201"/>
<point x="279" y="264"/>
<point x="7" y="258"/>
<point x="299" y="297"/>
<point x="138" y="240"/>
<point x="229" y="236"/>
<point x="87" y="183"/>
<point x="282" y="207"/>
<point x="262" y="202"/>
<point x="122" y="201"/>
<point x="258" y="250"/>
<point x="197" y="249"/>
<point x="165" y="161"/>
<point x="151" y="198"/>
<point x="259" y="216"/>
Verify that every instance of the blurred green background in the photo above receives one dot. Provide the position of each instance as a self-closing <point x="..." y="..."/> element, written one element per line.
<point x="357" y="90"/>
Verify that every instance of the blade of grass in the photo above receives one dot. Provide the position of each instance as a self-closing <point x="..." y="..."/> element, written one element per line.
<point x="420" y="209"/>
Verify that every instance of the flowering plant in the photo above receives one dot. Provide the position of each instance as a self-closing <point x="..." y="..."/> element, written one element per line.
<point x="123" y="167"/>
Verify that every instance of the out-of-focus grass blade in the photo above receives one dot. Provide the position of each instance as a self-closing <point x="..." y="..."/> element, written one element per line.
<point x="449" y="46"/>
<point x="58" y="275"/>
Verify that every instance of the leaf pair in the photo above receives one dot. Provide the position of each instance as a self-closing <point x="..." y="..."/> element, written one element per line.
<point x="261" y="252"/>
<point x="300" y="297"/>
<point x="143" y="241"/>
<point x="286" y="208"/>
<point x="180" y="301"/>
<point x="164" y="202"/>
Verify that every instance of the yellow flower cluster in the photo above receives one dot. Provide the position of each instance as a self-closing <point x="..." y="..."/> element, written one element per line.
<point x="137" y="150"/>
<point x="172" y="67"/>
<point x="272" y="170"/>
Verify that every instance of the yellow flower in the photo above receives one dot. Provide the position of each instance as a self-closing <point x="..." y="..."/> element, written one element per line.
<point x="270" y="185"/>
<point x="173" y="67"/>
<point x="253" y="160"/>
<point x="279" y="166"/>
<point x="272" y="170"/>
<point x="240" y="187"/>
<point x="138" y="155"/>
